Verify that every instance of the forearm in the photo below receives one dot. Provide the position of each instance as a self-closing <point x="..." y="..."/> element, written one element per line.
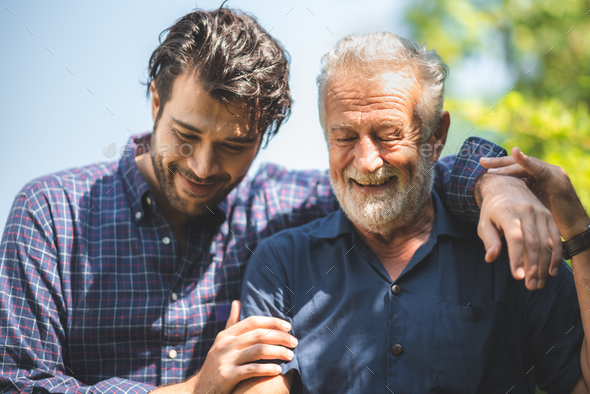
<point x="280" y="384"/>
<point x="581" y="269"/>
<point x="189" y="386"/>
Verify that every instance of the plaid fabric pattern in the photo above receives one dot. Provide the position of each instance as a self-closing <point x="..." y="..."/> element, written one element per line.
<point x="94" y="294"/>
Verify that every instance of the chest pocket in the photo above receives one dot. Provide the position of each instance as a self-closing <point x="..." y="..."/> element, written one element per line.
<point x="470" y="348"/>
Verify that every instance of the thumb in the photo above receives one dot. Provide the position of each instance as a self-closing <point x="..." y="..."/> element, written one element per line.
<point x="234" y="314"/>
<point x="491" y="240"/>
<point x="525" y="162"/>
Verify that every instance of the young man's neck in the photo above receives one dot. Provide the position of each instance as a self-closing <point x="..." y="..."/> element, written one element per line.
<point x="146" y="168"/>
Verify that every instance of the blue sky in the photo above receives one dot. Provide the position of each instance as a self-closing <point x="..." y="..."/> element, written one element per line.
<point x="71" y="72"/>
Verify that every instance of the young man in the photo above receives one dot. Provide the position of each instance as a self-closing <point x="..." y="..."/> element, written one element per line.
<point x="119" y="276"/>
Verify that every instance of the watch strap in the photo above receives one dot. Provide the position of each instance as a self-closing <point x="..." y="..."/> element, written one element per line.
<point x="576" y="244"/>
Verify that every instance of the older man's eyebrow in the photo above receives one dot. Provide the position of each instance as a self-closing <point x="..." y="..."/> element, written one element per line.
<point x="395" y="124"/>
<point x="342" y="126"/>
<point x="389" y="124"/>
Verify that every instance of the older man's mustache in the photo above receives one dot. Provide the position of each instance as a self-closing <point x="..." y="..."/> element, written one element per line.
<point x="379" y="176"/>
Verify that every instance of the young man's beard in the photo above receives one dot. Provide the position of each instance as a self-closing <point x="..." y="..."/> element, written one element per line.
<point x="394" y="208"/>
<point x="165" y="176"/>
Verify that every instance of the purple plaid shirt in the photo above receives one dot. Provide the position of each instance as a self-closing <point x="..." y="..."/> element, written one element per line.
<point x="94" y="294"/>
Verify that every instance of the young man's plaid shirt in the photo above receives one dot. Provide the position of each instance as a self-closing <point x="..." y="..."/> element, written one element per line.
<point x="94" y="294"/>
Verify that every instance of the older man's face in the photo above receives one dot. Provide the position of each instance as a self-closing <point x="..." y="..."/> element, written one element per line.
<point x="378" y="174"/>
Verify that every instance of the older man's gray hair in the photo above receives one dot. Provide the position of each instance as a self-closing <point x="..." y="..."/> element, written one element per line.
<point x="378" y="53"/>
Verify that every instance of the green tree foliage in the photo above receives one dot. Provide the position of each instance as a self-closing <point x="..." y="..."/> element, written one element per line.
<point x="546" y="48"/>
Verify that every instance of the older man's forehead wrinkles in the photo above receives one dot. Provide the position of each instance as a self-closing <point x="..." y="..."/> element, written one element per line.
<point x="369" y="104"/>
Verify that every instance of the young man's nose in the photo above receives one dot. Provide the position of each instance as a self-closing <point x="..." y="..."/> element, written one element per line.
<point x="203" y="162"/>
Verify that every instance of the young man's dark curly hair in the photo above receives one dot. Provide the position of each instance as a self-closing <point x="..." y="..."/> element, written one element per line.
<point x="233" y="58"/>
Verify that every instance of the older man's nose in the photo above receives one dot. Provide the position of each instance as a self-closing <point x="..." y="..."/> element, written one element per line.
<point x="203" y="161"/>
<point x="368" y="157"/>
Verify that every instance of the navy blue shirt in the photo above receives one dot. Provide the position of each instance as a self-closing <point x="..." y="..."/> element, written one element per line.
<point x="450" y="323"/>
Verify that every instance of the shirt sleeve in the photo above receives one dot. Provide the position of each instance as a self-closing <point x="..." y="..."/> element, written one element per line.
<point x="265" y="291"/>
<point x="456" y="185"/>
<point x="554" y="332"/>
<point x="284" y="198"/>
<point x="33" y="341"/>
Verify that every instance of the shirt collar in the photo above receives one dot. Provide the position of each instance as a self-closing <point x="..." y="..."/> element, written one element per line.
<point x="444" y="223"/>
<point x="134" y="184"/>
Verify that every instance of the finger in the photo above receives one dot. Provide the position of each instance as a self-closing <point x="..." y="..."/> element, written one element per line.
<point x="234" y="314"/>
<point x="259" y="322"/>
<point x="264" y="352"/>
<point x="531" y="250"/>
<point x="545" y="256"/>
<point x="264" y="336"/>
<point x="515" y="243"/>
<point x="243" y="372"/>
<point x="533" y="166"/>
<point x="491" y="239"/>
<point x="555" y="247"/>
<point x="496" y="162"/>
<point x="514" y="170"/>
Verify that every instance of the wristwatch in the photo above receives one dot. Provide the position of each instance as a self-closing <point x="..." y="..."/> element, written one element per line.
<point x="576" y="244"/>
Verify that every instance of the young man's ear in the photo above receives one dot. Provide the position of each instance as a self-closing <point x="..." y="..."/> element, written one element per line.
<point x="155" y="101"/>
<point x="440" y="135"/>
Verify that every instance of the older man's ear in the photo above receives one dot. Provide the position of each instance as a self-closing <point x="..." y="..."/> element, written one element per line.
<point x="440" y="135"/>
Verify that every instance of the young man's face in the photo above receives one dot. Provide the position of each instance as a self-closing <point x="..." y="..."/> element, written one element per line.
<point x="200" y="150"/>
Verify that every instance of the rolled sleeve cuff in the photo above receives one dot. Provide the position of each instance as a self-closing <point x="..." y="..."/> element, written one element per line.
<point x="465" y="173"/>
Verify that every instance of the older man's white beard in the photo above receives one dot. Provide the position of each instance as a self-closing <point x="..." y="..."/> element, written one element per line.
<point x="391" y="209"/>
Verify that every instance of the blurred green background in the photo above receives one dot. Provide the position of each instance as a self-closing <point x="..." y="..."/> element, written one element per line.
<point x="545" y="49"/>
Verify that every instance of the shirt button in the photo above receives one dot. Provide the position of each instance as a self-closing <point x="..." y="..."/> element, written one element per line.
<point x="166" y="240"/>
<point x="172" y="353"/>
<point x="148" y="200"/>
<point x="395" y="289"/>
<point x="138" y="215"/>
<point x="397" y="349"/>
<point x="174" y="296"/>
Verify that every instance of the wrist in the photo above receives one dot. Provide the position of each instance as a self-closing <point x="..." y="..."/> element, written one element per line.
<point x="480" y="181"/>
<point x="575" y="230"/>
<point x="577" y="244"/>
<point x="191" y="384"/>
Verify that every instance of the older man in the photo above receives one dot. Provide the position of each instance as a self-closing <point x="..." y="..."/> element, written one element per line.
<point x="391" y="294"/>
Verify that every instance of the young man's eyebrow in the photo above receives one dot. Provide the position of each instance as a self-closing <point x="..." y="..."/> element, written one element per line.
<point x="186" y="125"/>
<point x="241" y="140"/>
<point x="236" y="139"/>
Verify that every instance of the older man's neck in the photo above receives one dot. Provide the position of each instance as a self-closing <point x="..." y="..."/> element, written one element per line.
<point x="396" y="248"/>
